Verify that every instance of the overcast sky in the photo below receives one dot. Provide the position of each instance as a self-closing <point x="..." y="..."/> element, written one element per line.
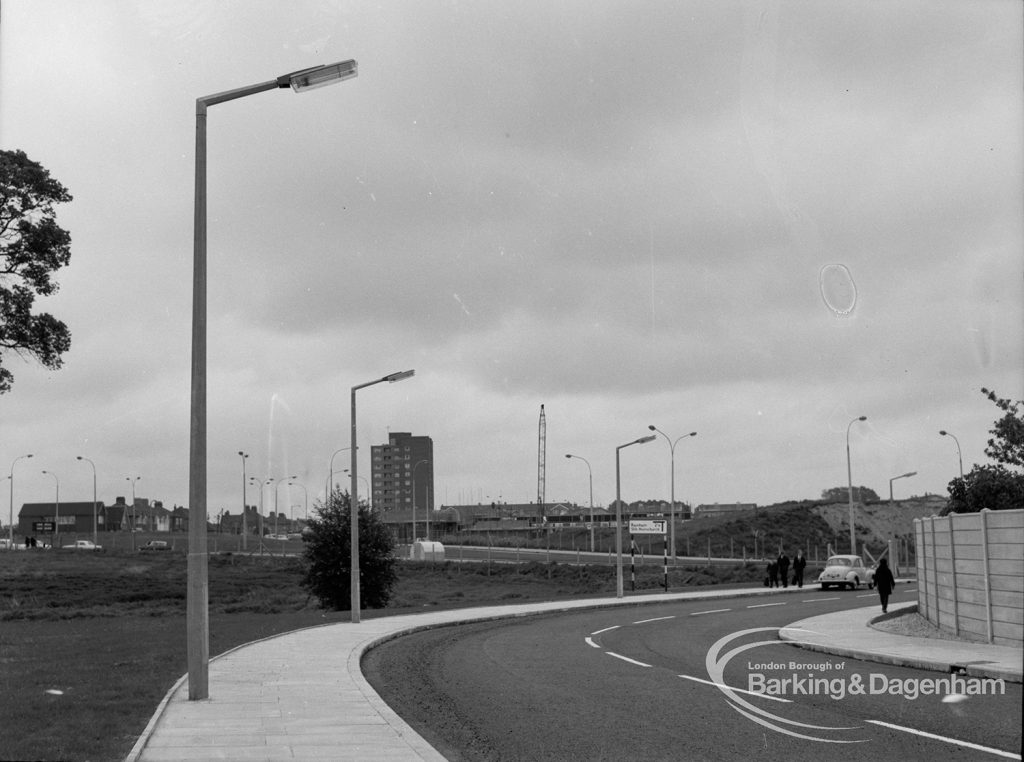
<point x="753" y="220"/>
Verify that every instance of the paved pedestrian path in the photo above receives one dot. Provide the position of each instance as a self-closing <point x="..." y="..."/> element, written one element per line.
<point x="302" y="696"/>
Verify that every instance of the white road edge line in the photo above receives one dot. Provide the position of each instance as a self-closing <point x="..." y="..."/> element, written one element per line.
<point x="816" y="600"/>
<point x="738" y="690"/>
<point x="591" y="643"/>
<point x="967" y="744"/>
<point x="626" y="658"/>
<point x="656" y="619"/>
<point x="867" y="595"/>
<point x="763" y="605"/>
<point x="606" y="629"/>
<point x="712" y="611"/>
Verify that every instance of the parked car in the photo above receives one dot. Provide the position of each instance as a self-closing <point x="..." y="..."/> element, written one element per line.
<point x="846" y="571"/>
<point x="83" y="545"/>
<point x="156" y="545"/>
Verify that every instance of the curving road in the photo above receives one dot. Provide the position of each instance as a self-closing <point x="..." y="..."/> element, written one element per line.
<point x="638" y="682"/>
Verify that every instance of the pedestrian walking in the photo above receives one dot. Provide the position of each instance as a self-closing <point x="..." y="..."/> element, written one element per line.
<point x="784" y="568"/>
<point x="885" y="583"/>
<point x="773" y="574"/>
<point x="799" y="564"/>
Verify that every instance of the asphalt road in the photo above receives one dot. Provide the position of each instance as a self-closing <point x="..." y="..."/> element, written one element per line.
<point x="638" y="683"/>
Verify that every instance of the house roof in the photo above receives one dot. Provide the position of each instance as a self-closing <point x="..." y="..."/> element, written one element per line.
<point x="28" y="510"/>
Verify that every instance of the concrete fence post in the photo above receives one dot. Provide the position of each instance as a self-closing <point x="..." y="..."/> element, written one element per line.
<point x="919" y="567"/>
<point x="935" y="574"/>
<point x="952" y="563"/>
<point x="985" y="559"/>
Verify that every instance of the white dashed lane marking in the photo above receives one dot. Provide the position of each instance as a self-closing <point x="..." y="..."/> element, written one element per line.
<point x="656" y="619"/>
<point x="712" y="611"/>
<point x="626" y="658"/>
<point x="737" y="690"/>
<point x="764" y="605"/>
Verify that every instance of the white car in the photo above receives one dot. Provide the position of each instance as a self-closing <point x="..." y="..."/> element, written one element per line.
<point x="846" y="571"/>
<point x="83" y="545"/>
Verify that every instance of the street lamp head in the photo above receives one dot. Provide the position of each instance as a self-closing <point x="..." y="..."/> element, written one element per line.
<point x="862" y="418"/>
<point x="78" y="457"/>
<point x="692" y="434"/>
<point x="652" y="427"/>
<point x="944" y="433"/>
<point x="318" y="76"/>
<point x="910" y="473"/>
<point x="648" y="438"/>
<point x="400" y="376"/>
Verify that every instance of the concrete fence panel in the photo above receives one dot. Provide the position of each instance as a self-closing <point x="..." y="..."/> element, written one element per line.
<point x="970" y="573"/>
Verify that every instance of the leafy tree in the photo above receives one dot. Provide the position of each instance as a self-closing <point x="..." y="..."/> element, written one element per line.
<point x="990" y="486"/>
<point x="994" y="486"/>
<point x="841" y="495"/>
<point x="32" y="248"/>
<point x="1007" y="443"/>
<point x="329" y="559"/>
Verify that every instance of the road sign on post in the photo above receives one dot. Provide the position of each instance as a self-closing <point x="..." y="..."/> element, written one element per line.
<point x="647" y="526"/>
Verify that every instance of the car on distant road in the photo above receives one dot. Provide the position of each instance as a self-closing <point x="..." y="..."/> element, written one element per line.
<point x="156" y="545"/>
<point x="277" y="537"/>
<point x="83" y="545"/>
<point x="846" y="571"/>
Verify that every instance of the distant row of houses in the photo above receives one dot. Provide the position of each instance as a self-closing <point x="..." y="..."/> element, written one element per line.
<point x="142" y="516"/>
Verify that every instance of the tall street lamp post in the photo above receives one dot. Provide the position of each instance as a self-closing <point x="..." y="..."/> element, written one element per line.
<point x="198" y="615"/>
<point x="672" y="510"/>
<point x="590" y="472"/>
<point x="618" y="513"/>
<point x="245" y="525"/>
<point x="849" y="484"/>
<point x="959" y="455"/>
<point x="56" y="511"/>
<point x="418" y="464"/>
<point x="95" y="529"/>
<point x="354" y="501"/>
<point x="10" y="528"/>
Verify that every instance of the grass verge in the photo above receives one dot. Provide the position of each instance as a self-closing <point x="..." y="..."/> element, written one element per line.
<point x="90" y="643"/>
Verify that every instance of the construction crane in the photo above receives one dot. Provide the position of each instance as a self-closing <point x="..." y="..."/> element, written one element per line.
<point x="542" y="436"/>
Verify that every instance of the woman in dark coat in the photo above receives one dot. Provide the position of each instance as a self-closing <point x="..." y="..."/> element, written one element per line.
<point x="885" y="583"/>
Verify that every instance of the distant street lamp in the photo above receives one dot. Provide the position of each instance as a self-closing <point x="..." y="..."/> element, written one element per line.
<point x="245" y="525"/>
<point x="197" y="604"/>
<point x="134" y="520"/>
<point x="95" y="530"/>
<point x="259" y="519"/>
<point x="892" y="508"/>
<point x="849" y="481"/>
<point x="10" y="528"/>
<point x="354" y="500"/>
<point x="280" y="482"/>
<point x="330" y="476"/>
<point x="591" y="474"/>
<point x="305" y="503"/>
<point x="56" y="517"/>
<point x="672" y="453"/>
<point x="418" y="464"/>
<point x="618" y="512"/>
<point x="959" y="455"/>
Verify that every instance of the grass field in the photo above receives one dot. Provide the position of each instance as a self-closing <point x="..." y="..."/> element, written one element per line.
<point x="91" y="642"/>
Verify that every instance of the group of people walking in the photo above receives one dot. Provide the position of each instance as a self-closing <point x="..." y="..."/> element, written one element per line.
<point x="778" y="570"/>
